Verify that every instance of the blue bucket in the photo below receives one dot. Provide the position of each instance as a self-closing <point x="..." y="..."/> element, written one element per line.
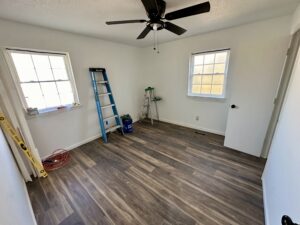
<point x="127" y="123"/>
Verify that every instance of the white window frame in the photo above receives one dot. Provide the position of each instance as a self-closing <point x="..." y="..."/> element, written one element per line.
<point x="191" y="74"/>
<point x="7" y="53"/>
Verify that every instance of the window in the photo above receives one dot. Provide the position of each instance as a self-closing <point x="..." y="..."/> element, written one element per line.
<point x="208" y="73"/>
<point x="44" y="80"/>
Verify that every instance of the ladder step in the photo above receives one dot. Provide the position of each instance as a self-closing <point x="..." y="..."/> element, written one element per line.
<point x="107" y="106"/>
<point x="104" y="94"/>
<point x="111" y="117"/>
<point x="112" y="128"/>
<point x="102" y="82"/>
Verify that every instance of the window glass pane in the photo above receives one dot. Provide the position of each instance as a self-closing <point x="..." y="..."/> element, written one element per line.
<point x="198" y="69"/>
<point x="24" y="67"/>
<point x="50" y="94"/>
<point x="22" y="60"/>
<point x="26" y="74"/>
<point x="196" y="89"/>
<point x="205" y="89"/>
<point x="206" y="79"/>
<point x="218" y="79"/>
<point x="219" y="68"/>
<point x="196" y="79"/>
<point x="60" y="74"/>
<point x="208" y="69"/>
<point x="198" y="59"/>
<point x="64" y="87"/>
<point x="67" y="99"/>
<point x="45" y="74"/>
<point x="42" y="66"/>
<point x="221" y="57"/>
<point x="33" y="95"/>
<point x="209" y="59"/>
<point x="57" y="62"/>
<point x="41" y="61"/>
<point x="65" y="92"/>
<point x="217" y="90"/>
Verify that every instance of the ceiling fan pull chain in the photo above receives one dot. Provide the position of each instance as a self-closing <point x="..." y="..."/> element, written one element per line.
<point x="155" y="33"/>
<point x="155" y="40"/>
<point x="157" y="44"/>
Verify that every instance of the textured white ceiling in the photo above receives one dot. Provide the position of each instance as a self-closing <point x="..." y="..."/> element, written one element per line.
<point x="88" y="16"/>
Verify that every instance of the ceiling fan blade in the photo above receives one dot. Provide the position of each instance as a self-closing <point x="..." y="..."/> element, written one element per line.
<point x="174" y="28"/>
<point x="189" y="11"/>
<point x="124" y="22"/>
<point x="144" y="32"/>
<point x="150" y="6"/>
<point x="154" y="8"/>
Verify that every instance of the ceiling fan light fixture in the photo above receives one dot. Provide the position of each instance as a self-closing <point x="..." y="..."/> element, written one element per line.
<point x="156" y="26"/>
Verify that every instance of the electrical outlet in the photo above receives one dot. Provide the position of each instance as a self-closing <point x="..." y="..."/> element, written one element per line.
<point x="197" y="118"/>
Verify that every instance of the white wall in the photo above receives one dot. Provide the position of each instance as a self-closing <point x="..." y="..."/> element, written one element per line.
<point x="68" y="129"/>
<point x="168" y="71"/>
<point x="296" y="20"/>
<point x="15" y="207"/>
<point x="281" y="176"/>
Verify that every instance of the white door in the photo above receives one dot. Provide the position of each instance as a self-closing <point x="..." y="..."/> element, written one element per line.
<point x="246" y="127"/>
<point x="252" y="92"/>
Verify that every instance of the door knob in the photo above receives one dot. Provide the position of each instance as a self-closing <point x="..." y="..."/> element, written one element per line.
<point x="233" y="106"/>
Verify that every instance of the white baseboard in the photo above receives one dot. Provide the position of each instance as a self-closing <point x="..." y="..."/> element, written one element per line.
<point x="193" y="127"/>
<point x="87" y="140"/>
<point x="71" y="147"/>
<point x="267" y="221"/>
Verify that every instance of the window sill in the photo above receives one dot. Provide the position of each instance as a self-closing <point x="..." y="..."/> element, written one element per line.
<point x="53" y="111"/>
<point x="208" y="98"/>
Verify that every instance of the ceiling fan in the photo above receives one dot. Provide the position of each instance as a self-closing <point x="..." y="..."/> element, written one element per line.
<point x="158" y="20"/>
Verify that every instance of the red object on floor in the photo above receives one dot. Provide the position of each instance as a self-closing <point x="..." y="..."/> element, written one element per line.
<point x="58" y="159"/>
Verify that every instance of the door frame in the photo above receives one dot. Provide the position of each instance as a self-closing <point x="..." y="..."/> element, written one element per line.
<point x="281" y="92"/>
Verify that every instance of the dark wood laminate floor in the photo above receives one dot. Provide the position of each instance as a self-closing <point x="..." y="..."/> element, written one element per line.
<point x="159" y="175"/>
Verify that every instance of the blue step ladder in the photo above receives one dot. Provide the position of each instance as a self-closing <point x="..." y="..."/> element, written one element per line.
<point x="102" y="90"/>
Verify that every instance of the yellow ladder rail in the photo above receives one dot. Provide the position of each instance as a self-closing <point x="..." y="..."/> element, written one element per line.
<point x="8" y="128"/>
